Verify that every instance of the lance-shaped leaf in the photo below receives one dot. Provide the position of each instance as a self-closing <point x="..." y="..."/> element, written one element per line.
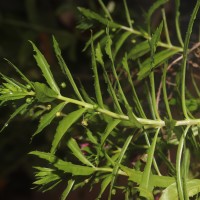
<point x="45" y="68"/>
<point x="146" y="183"/>
<point x="43" y="93"/>
<point x="67" y="190"/>
<point x="65" y="69"/>
<point x="94" y="16"/>
<point x="17" y="111"/>
<point x="64" y="125"/>
<point x="110" y="127"/>
<point x="47" y="118"/>
<point x="96" y="78"/>
<point x="72" y="144"/>
<point x="64" y="166"/>
<point x="159" y="58"/>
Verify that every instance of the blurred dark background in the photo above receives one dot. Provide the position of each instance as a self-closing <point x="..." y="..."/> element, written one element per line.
<point x="38" y="20"/>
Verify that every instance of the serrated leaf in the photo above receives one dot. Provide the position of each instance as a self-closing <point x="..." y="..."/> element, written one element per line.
<point x="43" y="93"/>
<point x="94" y="16"/>
<point x="19" y="72"/>
<point x="67" y="190"/>
<point x="154" y="39"/>
<point x="110" y="127"/>
<point x="146" y="183"/>
<point x="72" y="144"/>
<point x="96" y="78"/>
<point x="17" y="111"/>
<point x="64" y="166"/>
<point x="10" y="97"/>
<point x="99" y="55"/>
<point x="47" y="118"/>
<point x="64" y="125"/>
<point x="157" y="181"/>
<point x="65" y="69"/>
<point x="45" y="68"/>
<point x="159" y="58"/>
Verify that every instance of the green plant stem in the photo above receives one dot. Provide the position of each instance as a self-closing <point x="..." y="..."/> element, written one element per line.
<point x="147" y="123"/>
<point x="185" y="52"/>
<point x="148" y="37"/>
<point x="178" y="164"/>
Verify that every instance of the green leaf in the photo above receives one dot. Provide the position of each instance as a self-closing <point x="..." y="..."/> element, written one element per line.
<point x="65" y="69"/>
<point x="64" y="125"/>
<point x="47" y="118"/>
<point x="152" y="9"/>
<point x="99" y="55"/>
<point x="19" y="72"/>
<point x="193" y="188"/>
<point x="96" y="78"/>
<point x="68" y="189"/>
<point x="110" y="127"/>
<point x="45" y="68"/>
<point x="154" y="41"/>
<point x="44" y="93"/>
<point x="17" y="111"/>
<point x="139" y="50"/>
<point x="157" y="181"/>
<point x="94" y="16"/>
<point x="106" y="181"/>
<point x="128" y="18"/>
<point x="67" y="167"/>
<point x="72" y="144"/>
<point x="146" y="183"/>
<point x="120" y="42"/>
<point x="159" y="58"/>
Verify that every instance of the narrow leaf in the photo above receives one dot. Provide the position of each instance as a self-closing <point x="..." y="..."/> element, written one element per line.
<point x="96" y="78"/>
<point x="120" y="42"/>
<point x="110" y="127"/>
<point x="68" y="189"/>
<point x="17" y="111"/>
<point x="92" y="15"/>
<point x="64" y="125"/>
<point x="19" y="72"/>
<point x="139" y="50"/>
<point x="45" y="68"/>
<point x="44" y="93"/>
<point x="47" y="118"/>
<point x="72" y="144"/>
<point x="146" y="182"/>
<point x="159" y="58"/>
<point x="65" y="68"/>
<point x="64" y="166"/>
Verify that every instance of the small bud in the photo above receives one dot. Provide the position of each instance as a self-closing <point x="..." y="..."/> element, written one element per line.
<point x="63" y="85"/>
<point x="28" y="100"/>
<point x="28" y="87"/>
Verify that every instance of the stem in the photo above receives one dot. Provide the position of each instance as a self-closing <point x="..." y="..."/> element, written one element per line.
<point x="147" y="123"/>
<point x="178" y="164"/>
<point x="148" y="37"/>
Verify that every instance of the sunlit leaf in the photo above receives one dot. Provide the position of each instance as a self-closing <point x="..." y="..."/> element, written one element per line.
<point x="45" y="68"/>
<point x="64" y="166"/>
<point x="47" y="118"/>
<point x="65" y="68"/>
<point x="72" y="144"/>
<point x="64" y="125"/>
<point x="44" y="93"/>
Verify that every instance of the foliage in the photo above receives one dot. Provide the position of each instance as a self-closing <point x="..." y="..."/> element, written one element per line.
<point x="132" y="137"/>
